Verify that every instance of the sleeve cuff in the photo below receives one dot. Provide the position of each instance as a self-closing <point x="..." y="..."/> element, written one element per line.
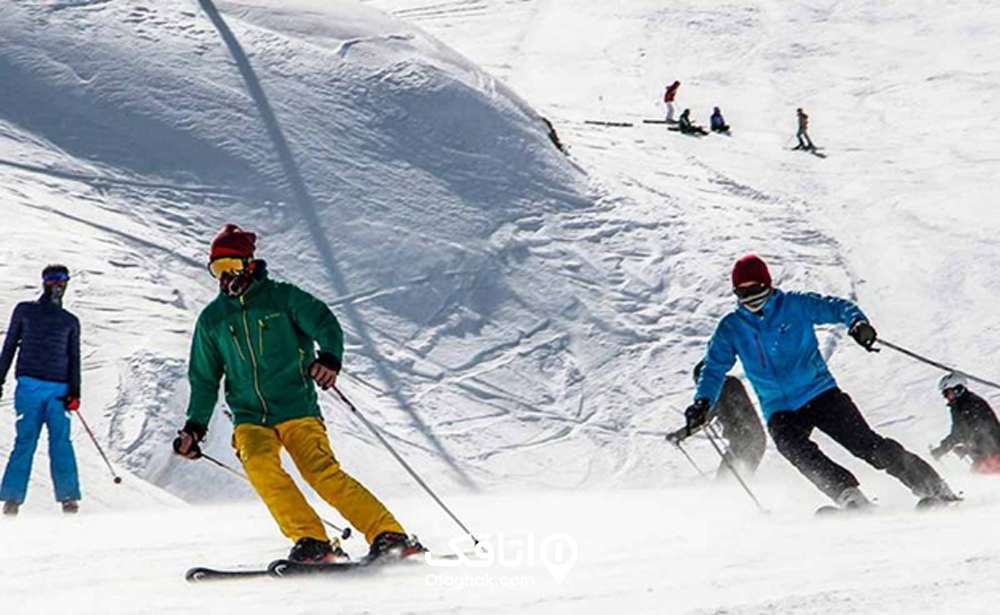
<point x="330" y="360"/>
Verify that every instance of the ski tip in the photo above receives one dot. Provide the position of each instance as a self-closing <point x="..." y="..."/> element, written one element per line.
<point x="196" y="574"/>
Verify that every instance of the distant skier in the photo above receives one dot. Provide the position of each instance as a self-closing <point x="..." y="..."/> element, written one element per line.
<point x="975" y="430"/>
<point x="718" y="123"/>
<point x="668" y="98"/>
<point x="261" y="336"/>
<point x="741" y="427"/>
<point x="803" y="134"/>
<point x="686" y="126"/>
<point x="48" y="388"/>
<point x="772" y="333"/>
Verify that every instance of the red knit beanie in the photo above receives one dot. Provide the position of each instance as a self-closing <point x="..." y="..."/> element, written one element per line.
<point x="751" y="269"/>
<point x="233" y="241"/>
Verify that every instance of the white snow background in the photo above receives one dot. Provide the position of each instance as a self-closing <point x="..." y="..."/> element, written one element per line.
<point x="522" y="325"/>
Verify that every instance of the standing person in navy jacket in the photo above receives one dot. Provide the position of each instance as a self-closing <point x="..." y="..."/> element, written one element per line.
<point x="48" y="388"/>
<point x="772" y="333"/>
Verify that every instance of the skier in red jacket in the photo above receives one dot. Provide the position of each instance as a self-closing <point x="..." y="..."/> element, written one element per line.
<point x="668" y="98"/>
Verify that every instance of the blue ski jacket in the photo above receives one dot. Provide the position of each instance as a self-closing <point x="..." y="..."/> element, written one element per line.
<point x="778" y="349"/>
<point x="49" y="340"/>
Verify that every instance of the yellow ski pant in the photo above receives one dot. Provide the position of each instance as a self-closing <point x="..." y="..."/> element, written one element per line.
<point x="305" y="439"/>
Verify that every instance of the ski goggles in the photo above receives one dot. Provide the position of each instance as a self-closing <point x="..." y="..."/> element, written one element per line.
<point x="229" y="265"/>
<point x="749" y="293"/>
<point x="753" y="297"/>
<point x="56" y="277"/>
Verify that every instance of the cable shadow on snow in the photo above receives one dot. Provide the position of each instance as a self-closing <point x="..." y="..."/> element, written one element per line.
<point x="307" y="207"/>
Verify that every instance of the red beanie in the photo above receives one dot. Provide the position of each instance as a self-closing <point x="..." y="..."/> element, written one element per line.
<point x="233" y="241"/>
<point x="751" y="269"/>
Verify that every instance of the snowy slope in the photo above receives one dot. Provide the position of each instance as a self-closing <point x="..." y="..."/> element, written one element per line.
<point x="898" y="216"/>
<point x="383" y="172"/>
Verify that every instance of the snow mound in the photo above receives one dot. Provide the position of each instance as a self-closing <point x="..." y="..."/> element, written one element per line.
<point x="381" y="170"/>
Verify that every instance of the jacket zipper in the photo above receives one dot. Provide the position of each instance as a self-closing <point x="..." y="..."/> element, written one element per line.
<point x="253" y="360"/>
<point x="760" y="351"/>
<point x="236" y="342"/>
<point x="260" y="336"/>
<point x="302" y="367"/>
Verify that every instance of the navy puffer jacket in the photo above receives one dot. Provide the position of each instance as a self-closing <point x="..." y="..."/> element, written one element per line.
<point x="49" y="340"/>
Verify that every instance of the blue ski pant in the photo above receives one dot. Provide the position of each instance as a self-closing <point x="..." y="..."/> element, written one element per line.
<point x="37" y="403"/>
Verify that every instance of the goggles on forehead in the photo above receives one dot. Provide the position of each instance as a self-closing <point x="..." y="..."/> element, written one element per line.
<point x="55" y="277"/>
<point x="229" y="265"/>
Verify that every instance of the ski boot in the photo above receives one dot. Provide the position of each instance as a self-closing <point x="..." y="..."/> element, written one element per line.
<point x="313" y="551"/>
<point x="70" y="507"/>
<point x="10" y="509"/>
<point x="850" y="500"/>
<point x="853" y="499"/>
<point x="392" y="546"/>
<point x="944" y="498"/>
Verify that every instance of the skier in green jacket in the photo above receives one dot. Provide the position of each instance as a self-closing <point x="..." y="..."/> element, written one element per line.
<point x="261" y="336"/>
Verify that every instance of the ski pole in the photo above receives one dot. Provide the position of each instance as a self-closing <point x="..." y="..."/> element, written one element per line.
<point x="344" y="533"/>
<point x="712" y="437"/>
<point x="403" y="463"/>
<point x="690" y="460"/>
<point x="936" y="364"/>
<point x="117" y="479"/>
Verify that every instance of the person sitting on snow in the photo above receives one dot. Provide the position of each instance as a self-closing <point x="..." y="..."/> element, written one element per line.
<point x="685" y="125"/>
<point x="975" y="430"/>
<point x="717" y="122"/>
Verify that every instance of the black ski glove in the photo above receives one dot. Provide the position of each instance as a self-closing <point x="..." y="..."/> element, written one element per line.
<point x="324" y="370"/>
<point x="676" y="437"/>
<point x="864" y="334"/>
<point x="696" y="415"/>
<point x="186" y="442"/>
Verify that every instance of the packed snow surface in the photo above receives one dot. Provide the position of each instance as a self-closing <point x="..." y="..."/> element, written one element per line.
<point x="521" y="324"/>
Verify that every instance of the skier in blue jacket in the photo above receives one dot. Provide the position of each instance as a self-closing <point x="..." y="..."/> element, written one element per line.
<point x="772" y="333"/>
<point x="48" y="388"/>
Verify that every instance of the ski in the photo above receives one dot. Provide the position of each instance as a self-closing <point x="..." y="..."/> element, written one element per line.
<point x="611" y="124"/>
<point x="693" y="133"/>
<point x="201" y="574"/>
<point x="283" y="568"/>
<point x="286" y="568"/>
<point x="925" y="504"/>
<point x="835" y="511"/>
<point x="815" y="151"/>
<point x="658" y="122"/>
<point x="937" y="503"/>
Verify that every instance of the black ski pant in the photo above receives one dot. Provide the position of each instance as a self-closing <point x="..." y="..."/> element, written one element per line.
<point x="834" y="413"/>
